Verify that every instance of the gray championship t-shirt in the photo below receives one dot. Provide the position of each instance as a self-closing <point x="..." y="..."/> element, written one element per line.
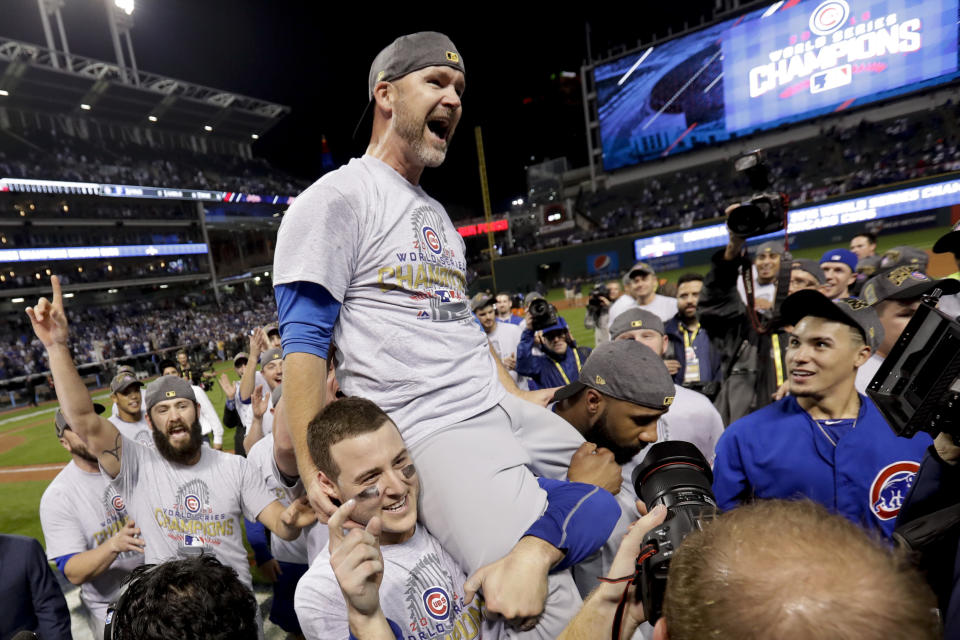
<point x="204" y="504"/>
<point x="261" y="457"/>
<point x="138" y="431"/>
<point x="422" y="591"/>
<point x="388" y="252"/>
<point x="79" y="511"/>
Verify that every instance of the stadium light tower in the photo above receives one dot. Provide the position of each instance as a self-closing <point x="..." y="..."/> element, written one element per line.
<point x="120" y="19"/>
<point x="52" y="8"/>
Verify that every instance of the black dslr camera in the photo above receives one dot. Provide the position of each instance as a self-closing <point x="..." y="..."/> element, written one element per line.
<point x="594" y="302"/>
<point x="543" y="314"/>
<point x="765" y="211"/>
<point x="676" y="475"/>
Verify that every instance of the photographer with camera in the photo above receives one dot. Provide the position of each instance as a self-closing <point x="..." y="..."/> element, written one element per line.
<point x="824" y="441"/>
<point x="598" y="310"/>
<point x="691" y="358"/>
<point x="562" y="358"/>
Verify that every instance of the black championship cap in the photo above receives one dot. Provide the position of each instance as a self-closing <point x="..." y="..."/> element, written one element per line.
<point x="949" y="242"/>
<point x="626" y="370"/>
<point x="904" y="283"/>
<point x="122" y="381"/>
<point x="240" y="356"/>
<point x="810" y="266"/>
<point x="634" y="319"/>
<point x="168" y="388"/>
<point x="407" y="54"/>
<point x="850" y="311"/>
<point x="869" y="266"/>
<point x="270" y="355"/>
<point x="912" y="257"/>
<point x="61" y="423"/>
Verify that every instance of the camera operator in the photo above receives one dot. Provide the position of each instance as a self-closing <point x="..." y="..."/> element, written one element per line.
<point x="766" y="267"/>
<point x="950" y="243"/>
<point x="691" y="358"/>
<point x="896" y="296"/>
<point x="640" y="285"/>
<point x="824" y="441"/>
<point x="562" y="358"/>
<point x="598" y="310"/>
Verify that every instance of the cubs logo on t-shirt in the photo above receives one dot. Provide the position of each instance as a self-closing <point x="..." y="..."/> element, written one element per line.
<point x="437" y="603"/>
<point x="890" y="488"/>
<point x="117" y="503"/>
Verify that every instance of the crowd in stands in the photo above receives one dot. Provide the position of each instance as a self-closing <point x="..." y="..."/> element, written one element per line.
<point x="128" y="329"/>
<point x="838" y="161"/>
<point x="42" y="154"/>
<point x="17" y="276"/>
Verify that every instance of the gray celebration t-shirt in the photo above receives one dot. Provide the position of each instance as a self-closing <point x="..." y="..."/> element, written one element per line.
<point x="261" y="457"/>
<point x="205" y="503"/>
<point x="405" y="337"/>
<point x="79" y="511"/>
<point x="139" y="431"/>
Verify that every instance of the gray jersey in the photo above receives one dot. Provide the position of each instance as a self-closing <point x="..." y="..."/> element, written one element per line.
<point x="261" y="457"/>
<point x="79" y="511"/>
<point x="137" y="431"/>
<point x="177" y="505"/>
<point x="422" y="591"/>
<point x="663" y="307"/>
<point x="388" y="252"/>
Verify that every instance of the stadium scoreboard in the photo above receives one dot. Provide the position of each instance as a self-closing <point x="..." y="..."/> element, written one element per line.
<point x="788" y="62"/>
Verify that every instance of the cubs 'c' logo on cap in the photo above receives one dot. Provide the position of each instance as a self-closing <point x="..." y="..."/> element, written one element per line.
<point x="667" y="401"/>
<point x="192" y="503"/>
<point x="432" y="239"/>
<point x="636" y="323"/>
<point x="890" y="488"/>
<point x="600" y="380"/>
<point x="170" y="394"/>
<point x="437" y="603"/>
<point x="829" y="16"/>
<point x="453" y="57"/>
<point x="117" y="503"/>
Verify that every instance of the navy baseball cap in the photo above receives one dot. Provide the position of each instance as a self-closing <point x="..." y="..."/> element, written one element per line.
<point x="844" y="256"/>
<point x="626" y="370"/>
<point x="561" y="325"/>
<point x="850" y="311"/>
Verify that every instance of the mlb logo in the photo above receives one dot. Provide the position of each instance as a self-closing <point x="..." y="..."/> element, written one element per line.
<point x="423" y="315"/>
<point x="443" y="294"/>
<point x="831" y="79"/>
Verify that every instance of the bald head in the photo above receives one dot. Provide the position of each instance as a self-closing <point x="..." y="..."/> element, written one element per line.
<point x="790" y="569"/>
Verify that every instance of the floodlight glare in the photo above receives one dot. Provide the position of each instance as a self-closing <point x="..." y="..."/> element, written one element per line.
<point x="85" y="107"/>
<point x="68" y="295"/>
<point x="152" y="118"/>
<point x="207" y="127"/>
<point x="254" y="136"/>
<point x="124" y="5"/>
<point x="16" y="300"/>
<point x="4" y="92"/>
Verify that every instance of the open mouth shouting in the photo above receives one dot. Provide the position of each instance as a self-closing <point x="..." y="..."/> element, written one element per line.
<point x="440" y="127"/>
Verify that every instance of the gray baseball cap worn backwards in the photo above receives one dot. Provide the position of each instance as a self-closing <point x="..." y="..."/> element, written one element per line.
<point x="407" y="54"/>
<point x="168" y="388"/>
<point x="626" y="370"/>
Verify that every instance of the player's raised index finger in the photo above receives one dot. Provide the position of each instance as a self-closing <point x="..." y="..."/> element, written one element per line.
<point x="57" y="294"/>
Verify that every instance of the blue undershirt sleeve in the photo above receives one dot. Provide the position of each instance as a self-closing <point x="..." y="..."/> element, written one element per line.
<point x="307" y="313"/>
<point x="62" y="561"/>
<point x="397" y="631"/>
<point x="257" y="537"/>
<point x="578" y="520"/>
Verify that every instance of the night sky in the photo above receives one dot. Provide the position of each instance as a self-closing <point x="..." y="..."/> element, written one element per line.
<point x="315" y="60"/>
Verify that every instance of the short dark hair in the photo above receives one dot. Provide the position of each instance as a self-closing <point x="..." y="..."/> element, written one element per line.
<point x="340" y="420"/>
<point x="689" y="277"/>
<point x="194" y="598"/>
<point x="870" y="236"/>
<point x="163" y="364"/>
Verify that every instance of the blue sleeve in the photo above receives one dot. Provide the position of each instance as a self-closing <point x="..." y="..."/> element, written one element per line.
<point x="49" y="605"/>
<point x="307" y="313"/>
<point x="397" y="632"/>
<point x="257" y="537"/>
<point x="527" y="363"/>
<point x="730" y="484"/>
<point x="62" y="561"/>
<point x="578" y="520"/>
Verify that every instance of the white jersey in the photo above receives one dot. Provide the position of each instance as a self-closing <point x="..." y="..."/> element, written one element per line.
<point x="505" y="337"/>
<point x="422" y="592"/>
<point x="138" y="431"/>
<point x="207" y="413"/>
<point x="664" y="307"/>
<point x="245" y="410"/>
<point x="178" y="505"/>
<point x="766" y="292"/>
<point x="261" y="457"/>
<point x="79" y="511"/>
<point x="405" y="335"/>
<point x="866" y="372"/>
